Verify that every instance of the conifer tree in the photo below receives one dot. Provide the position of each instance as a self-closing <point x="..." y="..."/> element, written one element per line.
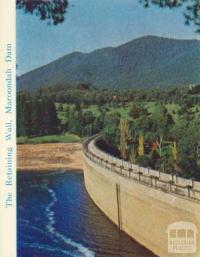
<point x="51" y="121"/>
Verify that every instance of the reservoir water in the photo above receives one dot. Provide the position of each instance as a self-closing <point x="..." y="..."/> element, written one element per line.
<point x="57" y="218"/>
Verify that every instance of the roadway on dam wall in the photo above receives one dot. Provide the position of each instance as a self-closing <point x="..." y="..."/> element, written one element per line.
<point x="142" y="205"/>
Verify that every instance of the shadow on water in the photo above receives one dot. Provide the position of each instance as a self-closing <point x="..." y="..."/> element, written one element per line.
<point x="57" y="218"/>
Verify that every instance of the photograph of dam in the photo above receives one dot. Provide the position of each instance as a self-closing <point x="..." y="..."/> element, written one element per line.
<point x="108" y="128"/>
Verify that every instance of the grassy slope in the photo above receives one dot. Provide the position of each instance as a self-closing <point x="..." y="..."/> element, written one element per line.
<point x="172" y="108"/>
<point x="66" y="138"/>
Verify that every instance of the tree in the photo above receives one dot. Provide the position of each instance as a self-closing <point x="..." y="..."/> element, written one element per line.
<point x="75" y="122"/>
<point x="125" y="136"/>
<point x="50" y="119"/>
<point x="88" y="118"/>
<point x="132" y="155"/>
<point x="143" y="161"/>
<point x="24" y="125"/>
<point x="162" y="123"/>
<point x="188" y="150"/>
<point x="51" y="10"/>
<point x="140" y="145"/>
<point x="137" y="110"/>
<point x="88" y="123"/>
<point x="143" y="125"/>
<point x="60" y="107"/>
<point x="98" y="124"/>
<point x="26" y="118"/>
<point x="38" y="117"/>
<point x="111" y="127"/>
<point x="174" y="151"/>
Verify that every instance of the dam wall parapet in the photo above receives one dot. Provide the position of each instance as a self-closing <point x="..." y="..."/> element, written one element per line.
<point x="145" y="203"/>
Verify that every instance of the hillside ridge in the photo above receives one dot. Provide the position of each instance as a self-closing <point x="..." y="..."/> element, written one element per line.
<point x="142" y="62"/>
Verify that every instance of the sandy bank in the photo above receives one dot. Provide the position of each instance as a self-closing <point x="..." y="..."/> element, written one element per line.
<point x="49" y="157"/>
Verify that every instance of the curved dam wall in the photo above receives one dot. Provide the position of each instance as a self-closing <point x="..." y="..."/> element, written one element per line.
<point x="147" y="205"/>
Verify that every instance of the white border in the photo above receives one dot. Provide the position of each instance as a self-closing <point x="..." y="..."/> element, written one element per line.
<point x="8" y="242"/>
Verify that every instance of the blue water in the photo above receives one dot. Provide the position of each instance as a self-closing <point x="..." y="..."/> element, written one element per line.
<point x="57" y="218"/>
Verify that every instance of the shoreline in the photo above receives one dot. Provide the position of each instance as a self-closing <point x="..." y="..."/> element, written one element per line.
<point x="49" y="157"/>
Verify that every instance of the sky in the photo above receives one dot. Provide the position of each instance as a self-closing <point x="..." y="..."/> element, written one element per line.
<point x="90" y="25"/>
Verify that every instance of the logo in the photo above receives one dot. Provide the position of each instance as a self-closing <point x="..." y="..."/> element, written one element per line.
<point x="182" y="237"/>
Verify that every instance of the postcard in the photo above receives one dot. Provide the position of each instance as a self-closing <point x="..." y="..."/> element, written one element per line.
<point x="100" y="128"/>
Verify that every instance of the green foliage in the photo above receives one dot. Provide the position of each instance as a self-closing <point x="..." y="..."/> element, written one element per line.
<point x="140" y="145"/>
<point x="36" y="116"/>
<point x="162" y="121"/>
<point x="125" y="136"/>
<point x="143" y="161"/>
<point x="168" y="120"/>
<point x="111" y="127"/>
<point x="137" y="110"/>
<point x="189" y="146"/>
<point x="53" y="10"/>
<point x="66" y="138"/>
<point x="132" y="155"/>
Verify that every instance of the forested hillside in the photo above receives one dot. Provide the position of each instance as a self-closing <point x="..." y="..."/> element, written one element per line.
<point x="145" y="62"/>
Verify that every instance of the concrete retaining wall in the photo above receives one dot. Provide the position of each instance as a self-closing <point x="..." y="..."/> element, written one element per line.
<point x="141" y="211"/>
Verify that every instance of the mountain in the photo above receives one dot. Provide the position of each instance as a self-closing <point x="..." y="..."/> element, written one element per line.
<point x="144" y="62"/>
